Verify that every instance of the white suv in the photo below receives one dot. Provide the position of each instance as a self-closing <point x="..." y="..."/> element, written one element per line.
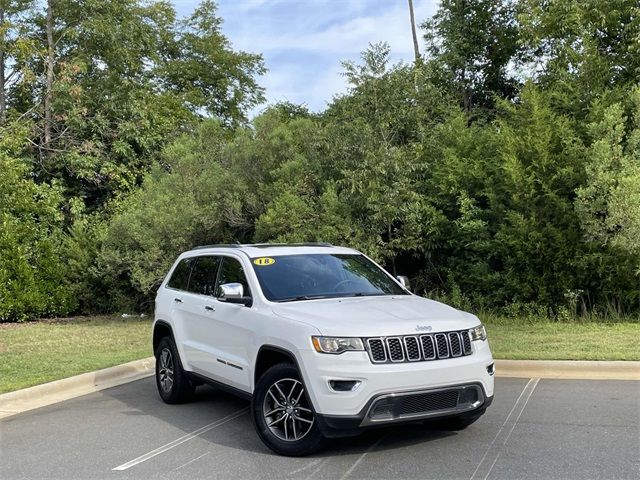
<point x="321" y="339"/>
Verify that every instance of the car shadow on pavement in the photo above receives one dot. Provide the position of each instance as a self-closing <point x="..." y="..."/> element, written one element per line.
<point x="210" y="404"/>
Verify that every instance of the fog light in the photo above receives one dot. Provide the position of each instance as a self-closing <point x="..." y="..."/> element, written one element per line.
<point x="491" y="369"/>
<point x="343" y="385"/>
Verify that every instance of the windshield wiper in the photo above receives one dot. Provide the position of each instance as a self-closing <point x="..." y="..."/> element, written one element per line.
<point x="303" y="297"/>
<point x="364" y="294"/>
<point x="339" y="295"/>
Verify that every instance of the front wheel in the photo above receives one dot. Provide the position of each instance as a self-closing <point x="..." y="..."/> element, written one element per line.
<point x="282" y="413"/>
<point x="173" y="384"/>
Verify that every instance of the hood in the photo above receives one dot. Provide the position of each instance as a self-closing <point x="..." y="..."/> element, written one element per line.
<point x="377" y="316"/>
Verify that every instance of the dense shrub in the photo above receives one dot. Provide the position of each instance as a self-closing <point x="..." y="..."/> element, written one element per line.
<point x="500" y="172"/>
<point x="32" y="274"/>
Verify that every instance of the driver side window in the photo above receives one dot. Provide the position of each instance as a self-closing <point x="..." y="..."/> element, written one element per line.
<point x="203" y="275"/>
<point x="231" y="272"/>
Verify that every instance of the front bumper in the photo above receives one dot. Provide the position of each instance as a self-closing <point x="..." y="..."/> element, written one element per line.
<point x="408" y="407"/>
<point x="376" y="380"/>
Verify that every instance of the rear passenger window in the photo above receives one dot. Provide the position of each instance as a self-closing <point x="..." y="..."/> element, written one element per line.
<point x="180" y="277"/>
<point x="203" y="275"/>
<point x="231" y="272"/>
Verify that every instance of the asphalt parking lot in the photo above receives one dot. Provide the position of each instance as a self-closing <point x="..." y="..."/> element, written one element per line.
<point x="534" y="429"/>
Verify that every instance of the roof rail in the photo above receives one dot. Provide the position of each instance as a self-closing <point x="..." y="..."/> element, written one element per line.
<point x="218" y="245"/>
<point x="306" y="244"/>
<point x="263" y="245"/>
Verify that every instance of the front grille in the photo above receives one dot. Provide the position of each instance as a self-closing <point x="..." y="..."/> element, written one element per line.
<point x="413" y="348"/>
<point x="424" y="404"/>
<point x="427" y="402"/>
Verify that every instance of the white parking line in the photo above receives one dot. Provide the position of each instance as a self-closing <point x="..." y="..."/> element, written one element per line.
<point x="318" y="468"/>
<point x="360" y="458"/>
<point x="191" y="461"/>
<point x="181" y="440"/>
<point x="313" y="463"/>
<point x="521" y="403"/>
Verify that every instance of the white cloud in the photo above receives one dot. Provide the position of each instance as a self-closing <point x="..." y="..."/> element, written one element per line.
<point x="303" y="42"/>
<point x="350" y="36"/>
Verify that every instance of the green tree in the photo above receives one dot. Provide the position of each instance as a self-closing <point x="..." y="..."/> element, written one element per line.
<point x="373" y="130"/>
<point x="538" y="236"/>
<point x="206" y="73"/>
<point x="472" y="45"/>
<point x="32" y="273"/>
<point x="193" y="200"/>
<point x="15" y="49"/>
<point x="582" y="49"/>
<point x="127" y="77"/>
<point x="609" y="202"/>
<point x="608" y="205"/>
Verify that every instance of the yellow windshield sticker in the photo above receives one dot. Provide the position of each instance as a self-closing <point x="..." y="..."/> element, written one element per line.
<point x="264" y="261"/>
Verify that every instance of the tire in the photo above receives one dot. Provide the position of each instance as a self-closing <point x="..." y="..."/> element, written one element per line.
<point x="283" y="415"/>
<point x="173" y="383"/>
<point x="459" y="422"/>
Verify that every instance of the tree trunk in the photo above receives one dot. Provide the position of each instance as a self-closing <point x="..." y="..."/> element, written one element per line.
<point x="49" y="81"/>
<point x="3" y="98"/>
<point x="416" y="50"/>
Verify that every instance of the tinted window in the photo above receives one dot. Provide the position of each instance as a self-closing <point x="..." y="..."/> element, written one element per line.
<point x="231" y="272"/>
<point x="203" y="275"/>
<point x="180" y="277"/>
<point x="305" y="277"/>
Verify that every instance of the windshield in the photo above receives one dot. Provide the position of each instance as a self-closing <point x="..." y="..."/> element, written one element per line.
<point x="306" y="277"/>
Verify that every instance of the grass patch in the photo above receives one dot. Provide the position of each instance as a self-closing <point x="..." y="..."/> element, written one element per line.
<point x="39" y="352"/>
<point x="517" y="339"/>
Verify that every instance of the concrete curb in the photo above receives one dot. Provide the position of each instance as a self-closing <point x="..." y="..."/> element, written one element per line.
<point x="569" y="369"/>
<point x="41" y="395"/>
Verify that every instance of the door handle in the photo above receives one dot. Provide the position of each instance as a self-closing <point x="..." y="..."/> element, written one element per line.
<point x="177" y="300"/>
<point x="211" y="309"/>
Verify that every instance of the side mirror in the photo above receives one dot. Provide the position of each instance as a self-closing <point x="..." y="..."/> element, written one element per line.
<point x="404" y="281"/>
<point x="233" y="293"/>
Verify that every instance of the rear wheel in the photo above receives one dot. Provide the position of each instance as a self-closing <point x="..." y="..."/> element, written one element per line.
<point x="282" y="413"/>
<point x="173" y="383"/>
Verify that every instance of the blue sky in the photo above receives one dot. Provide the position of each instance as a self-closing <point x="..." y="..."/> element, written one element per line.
<point x="304" y="41"/>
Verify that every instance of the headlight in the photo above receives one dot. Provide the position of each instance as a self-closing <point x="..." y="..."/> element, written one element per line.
<point x="478" y="333"/>
<point x="336" y="345"/>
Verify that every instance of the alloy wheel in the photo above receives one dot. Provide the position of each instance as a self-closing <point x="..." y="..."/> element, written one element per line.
<point x="287" y="411"/>
<point x="165" y="373"/>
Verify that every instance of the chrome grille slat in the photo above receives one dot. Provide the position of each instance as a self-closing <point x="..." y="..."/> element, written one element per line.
<point x="466" y="342"/>
<point x="412" y="349"/>
<point x="394" y="347"/>
<point x="377" y="351"/>
<point x="428" y="347"/>
<point x="416" y="348"/>
<point x="454" y="344"/>
<point x="442" y="345"/>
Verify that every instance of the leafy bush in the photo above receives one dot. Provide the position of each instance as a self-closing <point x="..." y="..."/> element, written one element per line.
<point x="32" y="274"/>
<point x="493" y="190"/>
